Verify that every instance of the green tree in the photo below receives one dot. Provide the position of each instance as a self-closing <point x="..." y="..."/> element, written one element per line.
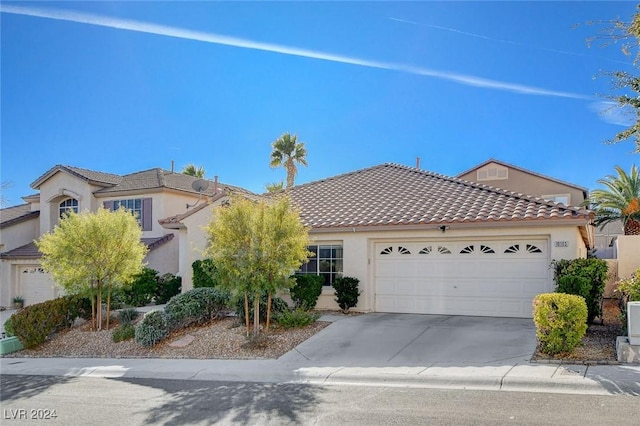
<point x="193" y="170"/>
<point x="256" y="246"/>
<point x="627" y="34"/>
<point x="620" y="201"/>
<point x="90" y="253"/>
<point x="287" y="151"/>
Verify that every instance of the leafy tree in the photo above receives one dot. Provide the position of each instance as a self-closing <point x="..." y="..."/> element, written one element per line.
<point x="287" y="151"/>
<point x="89" y="253"/>
<point x="620" y="201"/>
<point x="628" y="34"/>
<point x="193" y="170"/>
<point x="256" y="246"/>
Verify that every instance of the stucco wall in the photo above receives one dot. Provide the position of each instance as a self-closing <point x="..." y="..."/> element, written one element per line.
<point x="19" y="234"/>
<point x="628" y="255"/>
<point x="164" y="259"/>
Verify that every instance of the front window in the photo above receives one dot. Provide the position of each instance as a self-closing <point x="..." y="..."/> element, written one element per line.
<point x="133" y="205"/>
<point x="325" y="260"/>
<point x="68" y="206"/>
<point x="558" y="198"/>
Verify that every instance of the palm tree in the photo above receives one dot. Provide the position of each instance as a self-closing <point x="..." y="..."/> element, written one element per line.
<point x="287" y="151"/>
<point x="620" y="201"/>
<point x="193" y="170"/>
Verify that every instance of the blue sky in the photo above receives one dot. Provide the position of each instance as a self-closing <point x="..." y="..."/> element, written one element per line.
<point x="121" y="87"/>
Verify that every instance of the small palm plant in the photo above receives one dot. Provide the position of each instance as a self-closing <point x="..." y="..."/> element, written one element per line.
<point x="620" y="201"/>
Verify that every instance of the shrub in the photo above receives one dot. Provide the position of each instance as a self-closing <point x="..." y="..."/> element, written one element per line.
<point x="561" y="321"/>
<point x="196" y="306"/>
<point x="141" y="290"/>
<point x="123" y="332"/>
<point x="127" y="316"/>
<point x="573" y="284"/>
<point x="8" y="327"/>
<point x="628" y="291"/>
<point x="595" y="270"/>
<point x="296" y="318"/>
<point x="168" y="285"/>
<point x="33" y="324"/>
<point x="278" y="305"/>
<point x="347" y="292"/>
<point x="152" y="329"/>
<point x="306" y="290"/>
<point x="204" y="273"/>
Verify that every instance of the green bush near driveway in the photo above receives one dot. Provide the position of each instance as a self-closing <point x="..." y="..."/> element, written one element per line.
<point x="560" y="320"/>
<point x="592" y="269"/>
<point x="306" y="291"/>
<point x="347" y="292"/>
<point x="296" y="318"/>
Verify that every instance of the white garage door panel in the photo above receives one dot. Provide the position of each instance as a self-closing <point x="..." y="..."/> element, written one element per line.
<point x="482" y="278"/>
<point x="36" y="285"/>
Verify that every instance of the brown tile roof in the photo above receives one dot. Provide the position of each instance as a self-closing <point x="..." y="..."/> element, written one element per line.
<point x="30" y="251"/>
<point x="16" y="214"/>
<point x="99" y="178"/>
<point x="159" y="178"/>
<point x="391" y="194"/>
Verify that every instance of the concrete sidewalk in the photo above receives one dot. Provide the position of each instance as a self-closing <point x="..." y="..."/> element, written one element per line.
<point x="434" y="351"/>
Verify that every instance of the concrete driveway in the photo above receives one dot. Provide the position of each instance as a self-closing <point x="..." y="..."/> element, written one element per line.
<point x="393" y="340"/>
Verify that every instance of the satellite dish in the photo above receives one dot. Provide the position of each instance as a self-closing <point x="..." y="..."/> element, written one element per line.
<point x="200" y="185"/>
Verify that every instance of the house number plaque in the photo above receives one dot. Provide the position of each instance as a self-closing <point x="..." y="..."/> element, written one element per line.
<point x="561" y="243"/>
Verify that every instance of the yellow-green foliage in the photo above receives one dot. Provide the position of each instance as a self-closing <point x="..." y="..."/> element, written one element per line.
<point x="89" y="252"/>
<point x="561" y="321"/>
<point x="256" y="245"/>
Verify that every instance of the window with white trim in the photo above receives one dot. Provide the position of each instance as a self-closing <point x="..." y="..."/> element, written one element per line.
<point x="558" y="198"/>
<point x="492" y="173"/>
<point x="325" y="260"/>
<point x="68" y="206"/>
<point x="139" y="207"/>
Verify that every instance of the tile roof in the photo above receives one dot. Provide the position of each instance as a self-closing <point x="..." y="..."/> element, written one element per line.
<point x="85" y="174"/>
<point x="391" y="194"/>
<point x="159" y="178"/>
<point x="16" y="214"/>
<point x="30" y="251"/>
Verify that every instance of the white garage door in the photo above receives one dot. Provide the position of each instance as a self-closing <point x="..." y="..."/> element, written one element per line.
<point x="479" y="277"/>
<point x="36" y="285"/>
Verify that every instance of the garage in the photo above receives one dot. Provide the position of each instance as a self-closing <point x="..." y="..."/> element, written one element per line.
<point x="36" y="285"/>
<point x="461" y="277"/>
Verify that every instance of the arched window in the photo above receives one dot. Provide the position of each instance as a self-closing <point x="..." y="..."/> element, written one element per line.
<point x="68" y="206"/>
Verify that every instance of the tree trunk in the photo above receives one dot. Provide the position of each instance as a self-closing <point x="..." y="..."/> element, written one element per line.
<point x="246" y="311"/>
<point x="291" y="172"/>
<point x="266" y="328"/>
<point x="93" y="313"/>
<point x="108" y="305"/>
<point x="99" y="307"/>
<point x="256" y="314"/>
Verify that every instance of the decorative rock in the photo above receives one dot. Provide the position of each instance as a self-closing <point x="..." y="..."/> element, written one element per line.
<point x="182" y="342"/>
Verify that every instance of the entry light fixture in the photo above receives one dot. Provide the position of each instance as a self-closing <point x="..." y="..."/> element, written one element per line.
<point x="443" y="228"/>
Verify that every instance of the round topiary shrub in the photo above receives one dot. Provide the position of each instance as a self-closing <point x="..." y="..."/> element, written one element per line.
<point x="196" y="306"/>
<point x="561" y="321"/>
<point x="152" y="329"/>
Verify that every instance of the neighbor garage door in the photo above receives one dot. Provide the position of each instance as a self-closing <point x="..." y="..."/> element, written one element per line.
<point x="36" y="285"/>
<point x="473" y="277"/>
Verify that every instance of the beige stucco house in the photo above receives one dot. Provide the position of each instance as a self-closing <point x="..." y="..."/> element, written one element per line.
<point x="151" y="194"/>
<point x="421" y="242"/>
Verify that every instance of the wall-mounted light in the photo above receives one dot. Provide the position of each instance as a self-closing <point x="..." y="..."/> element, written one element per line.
<point x="443" y="228"/>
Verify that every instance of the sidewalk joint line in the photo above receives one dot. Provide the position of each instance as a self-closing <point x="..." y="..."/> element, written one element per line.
<point x="407" y="345"/>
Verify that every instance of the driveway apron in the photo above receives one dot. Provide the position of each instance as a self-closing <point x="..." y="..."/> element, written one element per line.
<point x="392" y="340"/>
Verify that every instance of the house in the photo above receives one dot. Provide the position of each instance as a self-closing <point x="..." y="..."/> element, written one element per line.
<point x="513" y="178"/>
<point x="152" y="194"/>
<point x="421" y="242"/>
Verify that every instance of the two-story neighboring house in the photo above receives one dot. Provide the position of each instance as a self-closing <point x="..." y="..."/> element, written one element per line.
<point x="513" y="178"/>
<point x="150" y="194"/>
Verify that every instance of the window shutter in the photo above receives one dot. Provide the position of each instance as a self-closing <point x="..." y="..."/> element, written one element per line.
<point x="108" y="205"/>
<point x="147" y="224"/>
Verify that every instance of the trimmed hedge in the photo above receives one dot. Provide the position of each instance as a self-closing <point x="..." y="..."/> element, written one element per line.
<point x="34" y="323"/>
<point x="204" y="273"/>
<point x="561" y="321"/>
<point x="347" y="292"/>
<point x="592" y="269"/>
<point x="306" y="291"/>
